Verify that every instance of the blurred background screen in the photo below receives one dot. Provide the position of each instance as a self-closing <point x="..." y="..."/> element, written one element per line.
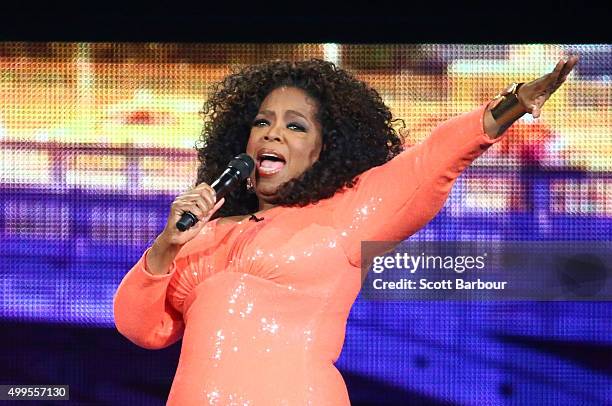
<point x="96" y="140"/>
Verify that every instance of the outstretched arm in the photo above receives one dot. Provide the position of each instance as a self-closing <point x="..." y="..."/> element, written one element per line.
<point x="392" y="201"/>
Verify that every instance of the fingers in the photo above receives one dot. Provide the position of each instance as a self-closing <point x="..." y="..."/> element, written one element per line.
<point x="182" y="207"/>
<point x="537" y="106"/>
<point x="216" y="207"/>
<point x="542" y="88"/>
<point x="559" y="67"/>
<point x="568" y="67"/>
<point x="203" y="200"/>
<point x="551" y="82"/>
<point x="200" y="201"/>
<point x="218" y="204"/>
<point x="195" y="204"/>
<point x="206" y="191"/>
<point x="535" y="109"/>
<point x="203" y="205"/>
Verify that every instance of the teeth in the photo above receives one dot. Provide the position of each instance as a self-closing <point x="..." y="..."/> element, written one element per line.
<point x="264" y="156"/>
<point x="267" y="169"/>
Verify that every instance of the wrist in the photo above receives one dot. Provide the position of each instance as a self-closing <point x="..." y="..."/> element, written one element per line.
<point x="159" y="258"/>
<point x="507" y="107"/>
<point x="161" y="244"/>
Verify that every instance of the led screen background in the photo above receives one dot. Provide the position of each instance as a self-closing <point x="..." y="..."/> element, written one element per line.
<point x="98" y="138"/>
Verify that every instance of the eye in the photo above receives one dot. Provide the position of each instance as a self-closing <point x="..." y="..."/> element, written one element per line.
<point x="299" y="127"/>
<point x="257" y="123"/>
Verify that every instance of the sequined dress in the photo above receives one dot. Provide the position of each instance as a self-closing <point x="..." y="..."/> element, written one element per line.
<point x="262" y="307"/>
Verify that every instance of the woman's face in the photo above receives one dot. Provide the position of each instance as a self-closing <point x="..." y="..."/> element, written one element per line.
<point x="285" y="139"/>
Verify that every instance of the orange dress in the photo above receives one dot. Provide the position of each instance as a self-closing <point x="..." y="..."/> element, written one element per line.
<point x="262" y="306"/>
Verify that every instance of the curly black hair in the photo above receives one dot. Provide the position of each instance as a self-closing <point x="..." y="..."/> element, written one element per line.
<point x="357" y="129"/>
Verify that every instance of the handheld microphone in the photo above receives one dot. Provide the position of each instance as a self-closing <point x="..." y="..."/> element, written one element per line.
<point x="237" y="170"/>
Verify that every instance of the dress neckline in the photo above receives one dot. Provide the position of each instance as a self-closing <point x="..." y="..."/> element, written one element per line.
<point x="263" y="216"/>
<point x="273" y="212"/>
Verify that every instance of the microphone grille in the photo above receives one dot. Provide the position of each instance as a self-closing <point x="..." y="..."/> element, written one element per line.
<point x="244" y="164"/>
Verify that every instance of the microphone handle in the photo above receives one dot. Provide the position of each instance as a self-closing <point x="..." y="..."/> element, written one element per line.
<point x="227" y="182"/>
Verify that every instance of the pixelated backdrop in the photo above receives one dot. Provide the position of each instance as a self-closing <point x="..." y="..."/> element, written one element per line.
<point x="97" y="139"/>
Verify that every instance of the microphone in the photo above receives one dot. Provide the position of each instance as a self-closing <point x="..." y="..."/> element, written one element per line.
<point x="237" y="170"/>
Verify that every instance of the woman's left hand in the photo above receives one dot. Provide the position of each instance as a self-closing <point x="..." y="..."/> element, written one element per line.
<point x="534" y="94"/>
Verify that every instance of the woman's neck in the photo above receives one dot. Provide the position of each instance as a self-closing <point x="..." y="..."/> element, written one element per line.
<point x="263" y="206"/>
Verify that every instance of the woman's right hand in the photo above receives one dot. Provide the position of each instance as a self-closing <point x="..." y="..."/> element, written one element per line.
<point x="200" y="201"/>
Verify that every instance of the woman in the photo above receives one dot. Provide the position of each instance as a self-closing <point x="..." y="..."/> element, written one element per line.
<point x="261" y="294"/>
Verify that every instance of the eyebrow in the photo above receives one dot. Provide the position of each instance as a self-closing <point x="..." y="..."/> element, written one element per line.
<point x="297" y="113"/>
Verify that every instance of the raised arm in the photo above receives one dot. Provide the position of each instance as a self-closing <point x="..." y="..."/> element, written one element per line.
<point x="393" y="201"/>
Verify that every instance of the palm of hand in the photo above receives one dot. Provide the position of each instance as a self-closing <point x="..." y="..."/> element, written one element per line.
<point x="534" y="94"/>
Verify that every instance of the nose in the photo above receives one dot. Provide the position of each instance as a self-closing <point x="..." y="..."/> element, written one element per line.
<point x="270" y="137"/>
<point x="273" y="135"/>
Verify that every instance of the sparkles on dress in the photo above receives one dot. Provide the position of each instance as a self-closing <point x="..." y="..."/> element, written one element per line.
<point x="262" y="306"/>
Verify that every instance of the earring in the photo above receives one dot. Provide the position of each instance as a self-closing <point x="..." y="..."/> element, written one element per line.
<point x="249" y="186"/>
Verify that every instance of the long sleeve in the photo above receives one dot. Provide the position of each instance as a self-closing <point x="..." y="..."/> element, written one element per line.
<point x="392" y="201"/>
<point x="142" y="311"/>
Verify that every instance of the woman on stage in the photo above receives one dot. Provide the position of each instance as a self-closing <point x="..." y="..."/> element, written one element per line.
<point x="261" y="287"/>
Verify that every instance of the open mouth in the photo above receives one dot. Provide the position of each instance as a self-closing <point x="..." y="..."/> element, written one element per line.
<point x="269" y="163"/>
